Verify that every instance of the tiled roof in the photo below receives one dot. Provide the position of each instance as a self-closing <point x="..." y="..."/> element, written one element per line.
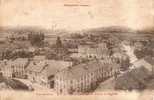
<point x="20" y="61"/>
<point x="51" y="66"/>
<point x="81" y="69"/>
<point x="55" y="66"/>
<point x="17" y="62"/>
<point x="36" y="67"/>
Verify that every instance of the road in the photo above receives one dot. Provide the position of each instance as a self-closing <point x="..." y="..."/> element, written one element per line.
<point x="130" y="52"/>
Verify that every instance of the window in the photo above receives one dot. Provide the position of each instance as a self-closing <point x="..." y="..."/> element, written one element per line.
<point x="61" y="91"/>
<point x="111" y="69"/>
<point x="71" y="81"/>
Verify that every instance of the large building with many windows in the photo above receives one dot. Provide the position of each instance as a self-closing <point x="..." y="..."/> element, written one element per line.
<point x="84" y="77"/>
<point x="42" y="71"/>
<point x="99" y="51"/>
<point x="14" y="68"/>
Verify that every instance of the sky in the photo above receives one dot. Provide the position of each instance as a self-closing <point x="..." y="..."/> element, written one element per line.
<point x="53" y="14"/>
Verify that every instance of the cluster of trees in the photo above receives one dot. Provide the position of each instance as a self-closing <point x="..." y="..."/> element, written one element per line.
<point x="19" y="38"/>
<point x="8" y="54"/>
<point x="145" y="50"/>
<point x="136" y="79"/>
<point x="36" y="39"/>
<point x="59" y="51"/>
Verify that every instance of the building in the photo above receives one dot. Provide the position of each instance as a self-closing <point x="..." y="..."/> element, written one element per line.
<point x="147" y="62"/>
<point x="17" y="36"/>
<point x="99" y="51"/>
<point x="122" y="59"/>
<point x="5" y="68"/>
<point x="84" y="77"/>
<point x="18" y="67"/>
<point x="14" y="68"/>
<point x="42" y="72"/>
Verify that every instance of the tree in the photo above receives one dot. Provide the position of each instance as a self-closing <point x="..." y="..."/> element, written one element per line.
<point x="143" y="52"/>
<point x="36" y="39"/>
<point x="59" y="47"/>
<point x="125" y="63"/>
<point x="58" y="42"/>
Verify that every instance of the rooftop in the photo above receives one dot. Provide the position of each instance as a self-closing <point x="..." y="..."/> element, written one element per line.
<point x="80" y="70"/>
<point x="19" y="62"/>
<point x="51" y="66"/>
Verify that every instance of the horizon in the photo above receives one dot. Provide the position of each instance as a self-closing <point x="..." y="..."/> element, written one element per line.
<point x="37" y="28"/>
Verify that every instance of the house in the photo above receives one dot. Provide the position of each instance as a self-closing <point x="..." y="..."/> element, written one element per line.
<point x="89" y="51"/>
<point x="5" y="68"/>
<point x="43" y="72"/>
<point x="14" y="68"/>
<point x="122" y="59"/>
<point x="18" y="67"/>
<point x="85" y="76"/>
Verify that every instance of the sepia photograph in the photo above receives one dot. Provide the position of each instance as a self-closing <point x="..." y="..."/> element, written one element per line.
<point x="100" y="49"/>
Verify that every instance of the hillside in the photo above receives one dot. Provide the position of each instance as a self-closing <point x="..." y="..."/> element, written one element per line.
<point x="118" y="31"/>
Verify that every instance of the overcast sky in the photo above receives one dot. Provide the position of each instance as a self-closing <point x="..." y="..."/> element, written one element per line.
<point x="98" y="13"/>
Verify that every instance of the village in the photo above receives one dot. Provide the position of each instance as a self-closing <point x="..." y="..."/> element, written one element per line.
<point x="76" y="64"/>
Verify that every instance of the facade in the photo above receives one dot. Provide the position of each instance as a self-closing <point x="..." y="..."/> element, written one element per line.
<point x="84" y="77"/>
<point x="36" y="72"/>
<point x="14" y="68"/>
<point x="42" y="72"/>
<point x="122" y="59"/>
<point x="18" y="67"/>
<point x="99" y="51"/>
<point x="5" y="68"/>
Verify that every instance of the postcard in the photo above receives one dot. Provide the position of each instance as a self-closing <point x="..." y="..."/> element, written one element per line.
<point x="76" y="49"/>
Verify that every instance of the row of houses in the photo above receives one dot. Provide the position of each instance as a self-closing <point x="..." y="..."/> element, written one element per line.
<point x="84" y="77"/>
<point x="37" y="70"/>
<point x="14" y="68"/>
<point x="43" y="71"/>
<point x="60" y="75"/>
<point x="91" y="51"/>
